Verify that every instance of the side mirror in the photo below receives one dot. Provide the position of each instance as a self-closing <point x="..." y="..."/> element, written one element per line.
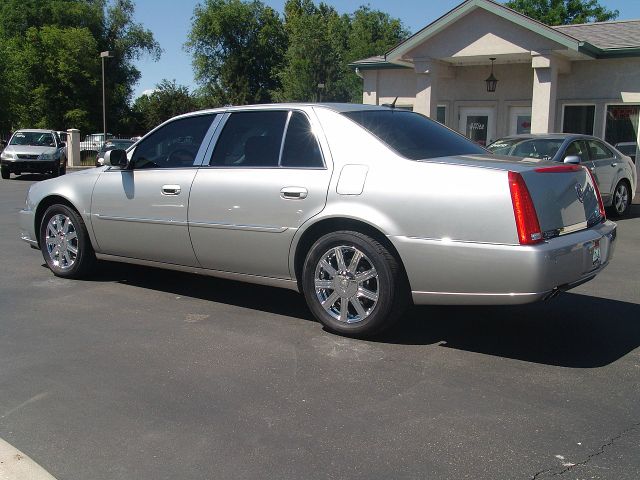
<point x="63" y="144"/>
<point x="572" y="159"/>
<point x="116" y="158"/>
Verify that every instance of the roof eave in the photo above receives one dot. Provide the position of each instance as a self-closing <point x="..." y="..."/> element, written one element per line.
<point x="490" y="6"/>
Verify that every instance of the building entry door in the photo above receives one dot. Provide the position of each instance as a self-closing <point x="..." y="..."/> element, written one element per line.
<point x="478" y="124"/>
<point x="519" y="120"/>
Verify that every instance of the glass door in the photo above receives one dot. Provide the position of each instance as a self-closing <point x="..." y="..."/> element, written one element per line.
<point x="478" y="124"/>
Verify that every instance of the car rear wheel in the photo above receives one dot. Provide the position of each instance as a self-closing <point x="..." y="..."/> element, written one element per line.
<point x="65" y="243"/>
<point x="353" y="285"/>
<point x="621" y="199"/>
<point x="5" y="173"/>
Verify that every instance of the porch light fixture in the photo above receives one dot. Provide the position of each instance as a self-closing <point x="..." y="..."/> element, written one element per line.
<point x="492" y="81"/>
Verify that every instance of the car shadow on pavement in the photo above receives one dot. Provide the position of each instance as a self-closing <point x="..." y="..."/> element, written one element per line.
<point x="257" y="297"/>
<point x="571" y="330"/>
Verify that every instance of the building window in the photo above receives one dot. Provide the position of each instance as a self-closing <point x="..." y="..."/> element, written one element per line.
<point x="578" y="119"/>
<point x="441" y="114"/>
<point x="622" y="124"/>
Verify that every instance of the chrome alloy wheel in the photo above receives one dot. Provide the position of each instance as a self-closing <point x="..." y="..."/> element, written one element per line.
<point x="61" y="239"/>
<point x="346" y="284"/>
<point x="621" y="198"/>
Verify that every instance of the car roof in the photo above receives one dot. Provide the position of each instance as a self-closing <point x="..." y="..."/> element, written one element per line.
<point x="34" y="130"/>
<point x="337" y="107"/>
<point x="548" y="136"/>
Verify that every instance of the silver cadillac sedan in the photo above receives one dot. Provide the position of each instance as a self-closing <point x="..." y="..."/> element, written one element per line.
<point x="363" y="209"/>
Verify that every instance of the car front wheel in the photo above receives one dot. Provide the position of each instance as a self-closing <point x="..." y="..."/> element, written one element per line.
<point x="65" y="243"/>
<point x="4" y="172"/>
<point x="353" y="285"/>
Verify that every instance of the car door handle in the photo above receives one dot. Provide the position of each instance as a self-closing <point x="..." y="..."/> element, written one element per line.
<point x="171" y="189"/>
<point x="294" y="193"/>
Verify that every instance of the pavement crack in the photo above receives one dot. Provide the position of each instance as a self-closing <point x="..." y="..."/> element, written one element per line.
<point x="589" y="457"/>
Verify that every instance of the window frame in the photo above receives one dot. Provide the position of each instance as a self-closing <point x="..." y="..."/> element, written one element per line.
<point x="220" y="128"/>
<point x="579" y="104"/>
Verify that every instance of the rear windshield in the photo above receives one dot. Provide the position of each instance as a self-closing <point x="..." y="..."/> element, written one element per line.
<point x="413" y="135"/>
<point x="543" y="148"/>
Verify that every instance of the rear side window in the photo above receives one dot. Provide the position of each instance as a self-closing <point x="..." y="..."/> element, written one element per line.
<point x="300" y="145"/>
<point x="414" y="136"/>
<point x="598" y="151"/>
<point x="250" y="139"/>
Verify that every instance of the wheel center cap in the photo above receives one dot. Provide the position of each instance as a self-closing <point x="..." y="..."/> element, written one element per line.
<point x="345" y="285"/>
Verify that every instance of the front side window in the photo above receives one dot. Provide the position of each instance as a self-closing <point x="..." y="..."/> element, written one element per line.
<point x="578" y="149"/>
<point x="412" y="135"/>
<point x="174" y="145"/>
<point x="598" y="151"/>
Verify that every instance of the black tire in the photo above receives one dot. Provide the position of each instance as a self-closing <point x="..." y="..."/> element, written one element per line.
<point x="389" y="284"/>
<point x="621" y="200"/>
<point x="69" y="236"/>
<point x="5" y="173"/>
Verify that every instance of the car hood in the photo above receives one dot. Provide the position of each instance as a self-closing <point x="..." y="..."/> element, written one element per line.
<point x="28" y="149"/>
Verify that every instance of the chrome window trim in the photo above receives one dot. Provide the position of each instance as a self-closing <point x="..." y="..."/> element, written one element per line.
<point x="284" y="137"/>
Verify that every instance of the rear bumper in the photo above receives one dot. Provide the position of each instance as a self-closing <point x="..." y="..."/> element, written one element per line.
<point x="466" y="273"/>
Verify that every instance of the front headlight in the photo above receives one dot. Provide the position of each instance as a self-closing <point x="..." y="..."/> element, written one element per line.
<point x="46" y="156"/>
<point x="8" y="156"/>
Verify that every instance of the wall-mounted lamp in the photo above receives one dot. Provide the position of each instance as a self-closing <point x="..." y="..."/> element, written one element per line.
<point x="492" y="81"/>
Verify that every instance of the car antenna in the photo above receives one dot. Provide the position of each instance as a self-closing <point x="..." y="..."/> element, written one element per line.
<point x="392" y="104"/>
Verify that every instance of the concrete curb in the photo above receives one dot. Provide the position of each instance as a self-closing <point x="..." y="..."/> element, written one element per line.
<point x="15" y="465"/>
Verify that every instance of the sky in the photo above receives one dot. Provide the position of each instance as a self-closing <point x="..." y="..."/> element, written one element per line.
<point x="170" y="21"/>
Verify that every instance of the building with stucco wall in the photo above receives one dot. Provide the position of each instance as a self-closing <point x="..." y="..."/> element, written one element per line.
<point x="575" y="78"/>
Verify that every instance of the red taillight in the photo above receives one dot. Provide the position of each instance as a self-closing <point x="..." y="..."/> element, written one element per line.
<point x="529" y="232"/>
<point x="597" y="190"/>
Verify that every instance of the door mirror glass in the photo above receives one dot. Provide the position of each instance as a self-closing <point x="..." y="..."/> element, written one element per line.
<point x="116" y="158"/>
<point x="572" y="159"/>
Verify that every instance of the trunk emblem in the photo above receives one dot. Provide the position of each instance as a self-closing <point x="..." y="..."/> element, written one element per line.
<point x="580" y="193"/>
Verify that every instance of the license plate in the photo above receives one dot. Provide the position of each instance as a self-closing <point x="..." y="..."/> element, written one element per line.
<point x="595" y="253"/>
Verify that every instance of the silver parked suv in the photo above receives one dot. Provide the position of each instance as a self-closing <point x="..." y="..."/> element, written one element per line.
<point x="34" y="151"/>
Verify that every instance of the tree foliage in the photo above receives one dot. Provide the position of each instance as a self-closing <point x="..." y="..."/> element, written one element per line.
<point x="563" y="12"/>
<point x="243" y="52"/>
<point x="166" y="101"/>
<point x="51" y="73"/>
<point x="237" y="48"/>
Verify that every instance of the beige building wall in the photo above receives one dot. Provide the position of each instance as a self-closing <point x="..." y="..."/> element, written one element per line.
<point x="593" y="82"/>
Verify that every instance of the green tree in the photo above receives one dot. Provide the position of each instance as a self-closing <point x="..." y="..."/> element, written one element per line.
<point x="563" y="12"/>
<point x="321" y="45"/>
<point x="237" y="49"/>
<point x="51" y="62"/>
<point x="166" y="101"/>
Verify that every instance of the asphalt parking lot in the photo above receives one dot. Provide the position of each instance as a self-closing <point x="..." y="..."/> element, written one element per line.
<point x="139" y="373"/>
